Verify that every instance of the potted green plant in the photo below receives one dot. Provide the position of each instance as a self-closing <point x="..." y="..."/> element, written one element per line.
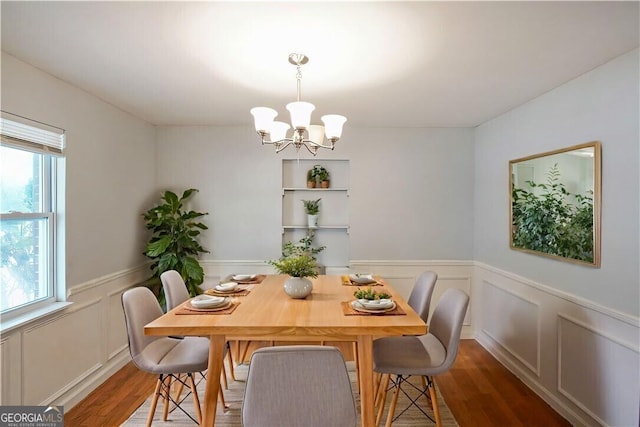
<point x="312" y="208"/>
<point x="321" y="176"/>
<point x="299" y="267"/>
<point x="311" y="179"/>
<point x="173" y="244"/>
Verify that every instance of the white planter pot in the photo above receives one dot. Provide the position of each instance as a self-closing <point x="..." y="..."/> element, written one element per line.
<point x="298" y="287"/>
<point x="312" y="221"/>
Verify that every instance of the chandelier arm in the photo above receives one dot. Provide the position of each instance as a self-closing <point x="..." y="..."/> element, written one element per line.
<point x="283" y="143"/>
<point x="315" y="144"/>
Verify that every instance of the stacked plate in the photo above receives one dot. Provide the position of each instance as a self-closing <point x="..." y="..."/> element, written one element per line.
<point x="209" y="302"/>
<point x="373" y="306"/>
<point x="243" y="277"/>
<point x="362" y="278"/>
<point x="228" y="287"/>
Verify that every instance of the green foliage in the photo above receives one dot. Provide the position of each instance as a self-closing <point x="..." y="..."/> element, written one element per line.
<point x="296" y="266"/>
<point x="319" y="173"/>
<point x="312" y="207"/>
<point x="173" y="245"/>
<point x="549" y="223"/>
<point x="303" y="247"/>
<point x="370" y="294"/>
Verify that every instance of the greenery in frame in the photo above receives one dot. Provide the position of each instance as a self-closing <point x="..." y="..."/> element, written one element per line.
<point x="319" y="173"/>
<point x="554" y="221"/>
<point x="174" y="244"/>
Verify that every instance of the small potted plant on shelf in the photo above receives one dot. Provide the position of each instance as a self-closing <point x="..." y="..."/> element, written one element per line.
<point x="299" y="267"/>
<point x="311" y="179"/>
<point x="321" y="176"/>
<point x="312" y="207"/>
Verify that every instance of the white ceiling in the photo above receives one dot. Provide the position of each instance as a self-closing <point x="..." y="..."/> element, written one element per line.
<point x="422" y="64"/>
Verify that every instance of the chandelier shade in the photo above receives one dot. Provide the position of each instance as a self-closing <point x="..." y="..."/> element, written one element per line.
<point x="304" y="133"/>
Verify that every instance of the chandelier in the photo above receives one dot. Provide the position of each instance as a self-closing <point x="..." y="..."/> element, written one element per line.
<point x="304" y="134"/>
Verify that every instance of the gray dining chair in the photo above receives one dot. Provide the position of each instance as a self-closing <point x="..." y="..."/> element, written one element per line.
<point x="424" y="355"/>
<point x="176" y="292"/>
<point x="164" y="356"/>
<point x="420" y="297"/>
<point x="299" y="385"/>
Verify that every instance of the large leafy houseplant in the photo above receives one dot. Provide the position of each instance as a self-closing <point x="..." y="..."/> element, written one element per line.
<point x="174" y="244"/>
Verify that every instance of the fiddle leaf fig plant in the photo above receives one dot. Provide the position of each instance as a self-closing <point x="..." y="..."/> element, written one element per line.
<point x="173" y="244"/>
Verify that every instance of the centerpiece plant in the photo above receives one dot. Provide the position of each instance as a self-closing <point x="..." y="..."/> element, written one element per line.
<point x="174" y="244"/>
<point x="299" y="267"/>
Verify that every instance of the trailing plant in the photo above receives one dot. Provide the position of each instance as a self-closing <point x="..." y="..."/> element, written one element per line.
<point x="296" y="266"/>
<point x="174" y="244"/>
<point x="311" y="207"/>
<point x="549" y="222"/>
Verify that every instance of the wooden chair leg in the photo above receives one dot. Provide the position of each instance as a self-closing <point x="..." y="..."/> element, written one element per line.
<point x="244" y="353"/>
<point x="167" y="391"/>
<point x="221" y="396"/>
<point x="355" y="358"/>
<point x="196" y="401"/>
<point x="434" y="402"/>
<point x="223" y="374"/>
<point x="230" y="359"/>
<point x="381" y="397"/>
<point x="392" y="405"/>
<point x="179" y="390"/>
<point x="154" y="402"/>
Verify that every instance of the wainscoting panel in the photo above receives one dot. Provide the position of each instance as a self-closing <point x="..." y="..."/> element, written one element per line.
<point x="59" y="359"/>
<point x="591" y="360"/>
<point x="513" y="322"/>
<point x="52" y="359"/>
<point x="582" y="358"/>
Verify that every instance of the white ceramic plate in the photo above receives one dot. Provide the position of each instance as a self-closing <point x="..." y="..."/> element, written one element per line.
<point x="362" y="278"/>
<point x="359" y="307"/>
<point x="376" y="304"/>
<point x="243" y="276"/>
<point x="226" y="287"/>
<point x="207" y="301"/>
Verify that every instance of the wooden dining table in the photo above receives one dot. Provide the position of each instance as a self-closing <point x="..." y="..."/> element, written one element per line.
<point x="268" y="314"/>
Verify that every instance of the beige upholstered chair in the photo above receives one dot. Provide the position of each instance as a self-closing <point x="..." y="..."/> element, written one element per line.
<point x="175" y="292"/>
<point x="302" y="385"/>
<point x="167" y="357"/>
<point x="424" y="355"/>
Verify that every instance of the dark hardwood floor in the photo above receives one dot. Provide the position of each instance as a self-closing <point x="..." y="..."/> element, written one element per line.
<point x="478" y="390"/>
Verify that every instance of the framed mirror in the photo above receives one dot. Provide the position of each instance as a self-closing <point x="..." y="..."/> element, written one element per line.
<point x="555" y="200"/>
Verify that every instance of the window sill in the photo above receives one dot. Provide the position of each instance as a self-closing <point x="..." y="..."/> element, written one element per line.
<point x="19" y="321"/>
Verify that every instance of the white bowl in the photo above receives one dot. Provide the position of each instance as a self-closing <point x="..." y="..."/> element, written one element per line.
<point x="226" y="287"/>
<point x="243" y="276"/>
<point x="376" y="304"/>
<point x="362" y="278"/>
<point x="208" y="301"/>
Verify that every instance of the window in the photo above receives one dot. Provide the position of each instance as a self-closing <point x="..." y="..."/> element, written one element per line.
<point x="30" y="154"/>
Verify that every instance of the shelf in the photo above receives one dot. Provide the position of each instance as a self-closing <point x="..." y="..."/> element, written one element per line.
<point x="320" y="227"/>
<point x="314" y="189"/>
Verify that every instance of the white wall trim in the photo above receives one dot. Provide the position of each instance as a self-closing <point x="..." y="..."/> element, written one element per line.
<point x="535" y="369"/>
<point x="607" y="311"/>
<point x="412" y="263"/>
<point x="100" y="281"/>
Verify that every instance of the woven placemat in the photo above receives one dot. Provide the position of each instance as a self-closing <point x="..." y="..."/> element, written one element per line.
<point x="258" y="279"/>
<point x="186" y="308"/>
<point x="239" y="293"/>
<point x="348" y="310"/>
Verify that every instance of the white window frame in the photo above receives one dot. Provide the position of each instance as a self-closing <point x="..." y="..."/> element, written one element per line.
<point x="48" y="142"/>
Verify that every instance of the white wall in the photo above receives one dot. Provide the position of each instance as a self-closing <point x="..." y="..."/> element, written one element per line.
<point x="410" y="193"/>
<point x="570" y="331"/>
<point x="110" y="175"/>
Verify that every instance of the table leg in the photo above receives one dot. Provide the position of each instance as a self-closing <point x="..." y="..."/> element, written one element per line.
<point x="365" y="371"/>
<point x="216" y="354"/>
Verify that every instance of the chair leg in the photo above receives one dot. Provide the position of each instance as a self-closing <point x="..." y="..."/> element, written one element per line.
<point x="154" y="402"/>
<point x="230" y="358"/>
<point x="394" y="401"/>
<point x="355" y="358"/>
<point x="167" y="397"/>
<point x="221" y="396"/>
<point x="434" y="401"/>
<point x="381" y="397"/>
<point x="179" y="390"/>
<point x="244" y="353"/>
<point x="196" y="401"/>
<point x="223" y="374"/>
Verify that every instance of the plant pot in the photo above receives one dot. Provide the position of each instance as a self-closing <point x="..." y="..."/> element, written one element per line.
<point x="312" y="221"/>
<point x="311" y="184"/>
<point x="298" y="287"/>
<point x="324" y="184"/>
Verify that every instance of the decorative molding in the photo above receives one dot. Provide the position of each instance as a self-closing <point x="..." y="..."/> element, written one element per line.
<point x="535" y="369"/>
<point x="72" y="309"/>
<point x="100" y="281"/>
<point x="413" y="263"/>
<point x="618" y="315"/>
